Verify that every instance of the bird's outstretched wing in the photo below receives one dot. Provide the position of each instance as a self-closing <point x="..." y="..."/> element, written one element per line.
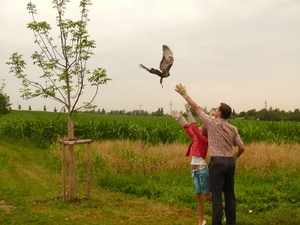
<point x="167" y="61"/>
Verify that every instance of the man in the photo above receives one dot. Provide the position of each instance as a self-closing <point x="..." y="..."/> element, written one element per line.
<point x="222" y="137"/>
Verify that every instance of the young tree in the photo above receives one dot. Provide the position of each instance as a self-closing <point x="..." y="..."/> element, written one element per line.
<point x="65" y="74"/>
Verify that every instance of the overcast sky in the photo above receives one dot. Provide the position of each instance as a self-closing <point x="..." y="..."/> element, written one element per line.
<point x="245" y="53"/>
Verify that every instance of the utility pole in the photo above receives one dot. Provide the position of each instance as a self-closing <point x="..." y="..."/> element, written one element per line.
<point x="266" y="106"/>
<point x="140" y="110"/>
<point x="171" y="104"/>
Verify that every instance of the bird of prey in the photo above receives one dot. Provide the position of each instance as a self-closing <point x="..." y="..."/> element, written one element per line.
<point x="164" y="66"/>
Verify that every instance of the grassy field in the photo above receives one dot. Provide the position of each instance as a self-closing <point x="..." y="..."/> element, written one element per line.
<point x="140" y="183"/>
<point x="30" y="193"/>
<point x="139" y="172"/>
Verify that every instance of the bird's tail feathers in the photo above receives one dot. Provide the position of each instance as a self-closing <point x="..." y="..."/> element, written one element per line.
<point x="144" y="67"/>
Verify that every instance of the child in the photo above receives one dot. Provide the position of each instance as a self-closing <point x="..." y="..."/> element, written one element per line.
<point x="198" y="150"/>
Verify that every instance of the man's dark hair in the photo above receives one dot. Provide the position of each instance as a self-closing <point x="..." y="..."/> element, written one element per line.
<point x="225" y="110"/>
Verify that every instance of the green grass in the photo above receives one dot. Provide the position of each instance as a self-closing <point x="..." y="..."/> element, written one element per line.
<point x="267" y="178"/>
<point x="30" y="193"/>
<point x="138" y="164"/>
<point x="161" y="193"/>
<point x="268" y="199"/>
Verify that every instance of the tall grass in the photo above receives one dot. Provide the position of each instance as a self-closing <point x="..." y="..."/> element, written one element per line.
<point x="253" y="131"/>
<point x="267" y="176"/>
<point x="44" y="128"/>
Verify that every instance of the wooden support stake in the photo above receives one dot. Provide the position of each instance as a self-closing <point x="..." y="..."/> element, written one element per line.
<point x="71" y="144"/>
<point x="72" y="172"/>
<point x="64" y="172"/>
<point x="89" y="171"/>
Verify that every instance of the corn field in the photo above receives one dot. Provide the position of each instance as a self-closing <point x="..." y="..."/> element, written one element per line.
<point x="44" y="128"/>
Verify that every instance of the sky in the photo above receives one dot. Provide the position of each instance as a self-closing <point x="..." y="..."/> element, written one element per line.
<point x="245" y="53"/>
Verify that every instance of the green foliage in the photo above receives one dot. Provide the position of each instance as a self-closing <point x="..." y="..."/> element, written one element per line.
<point x="4" y="103"/>
<point x="269" y="115"/>
<point x="32" y="128"/>
<point x="268" y="131"/>
<point x="65" y="70"/>
<point x="44" y="128"/>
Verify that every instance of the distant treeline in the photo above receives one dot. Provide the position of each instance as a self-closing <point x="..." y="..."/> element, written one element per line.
<point x="263" y="114"/>
<point x="270" y="115"/>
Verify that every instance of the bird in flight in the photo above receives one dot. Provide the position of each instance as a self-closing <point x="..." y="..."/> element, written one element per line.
<point x="164" y="66"/>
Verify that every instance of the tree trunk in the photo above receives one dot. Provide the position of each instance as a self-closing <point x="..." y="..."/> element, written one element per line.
<point x="72" y="158"/>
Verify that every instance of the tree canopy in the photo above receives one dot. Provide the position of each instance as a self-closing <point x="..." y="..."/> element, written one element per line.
<point x="65" y="73"/>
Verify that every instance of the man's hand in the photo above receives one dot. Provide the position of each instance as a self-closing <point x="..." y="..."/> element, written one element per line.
<point x="181" y="90"/>
<point x="235" y="157"/>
